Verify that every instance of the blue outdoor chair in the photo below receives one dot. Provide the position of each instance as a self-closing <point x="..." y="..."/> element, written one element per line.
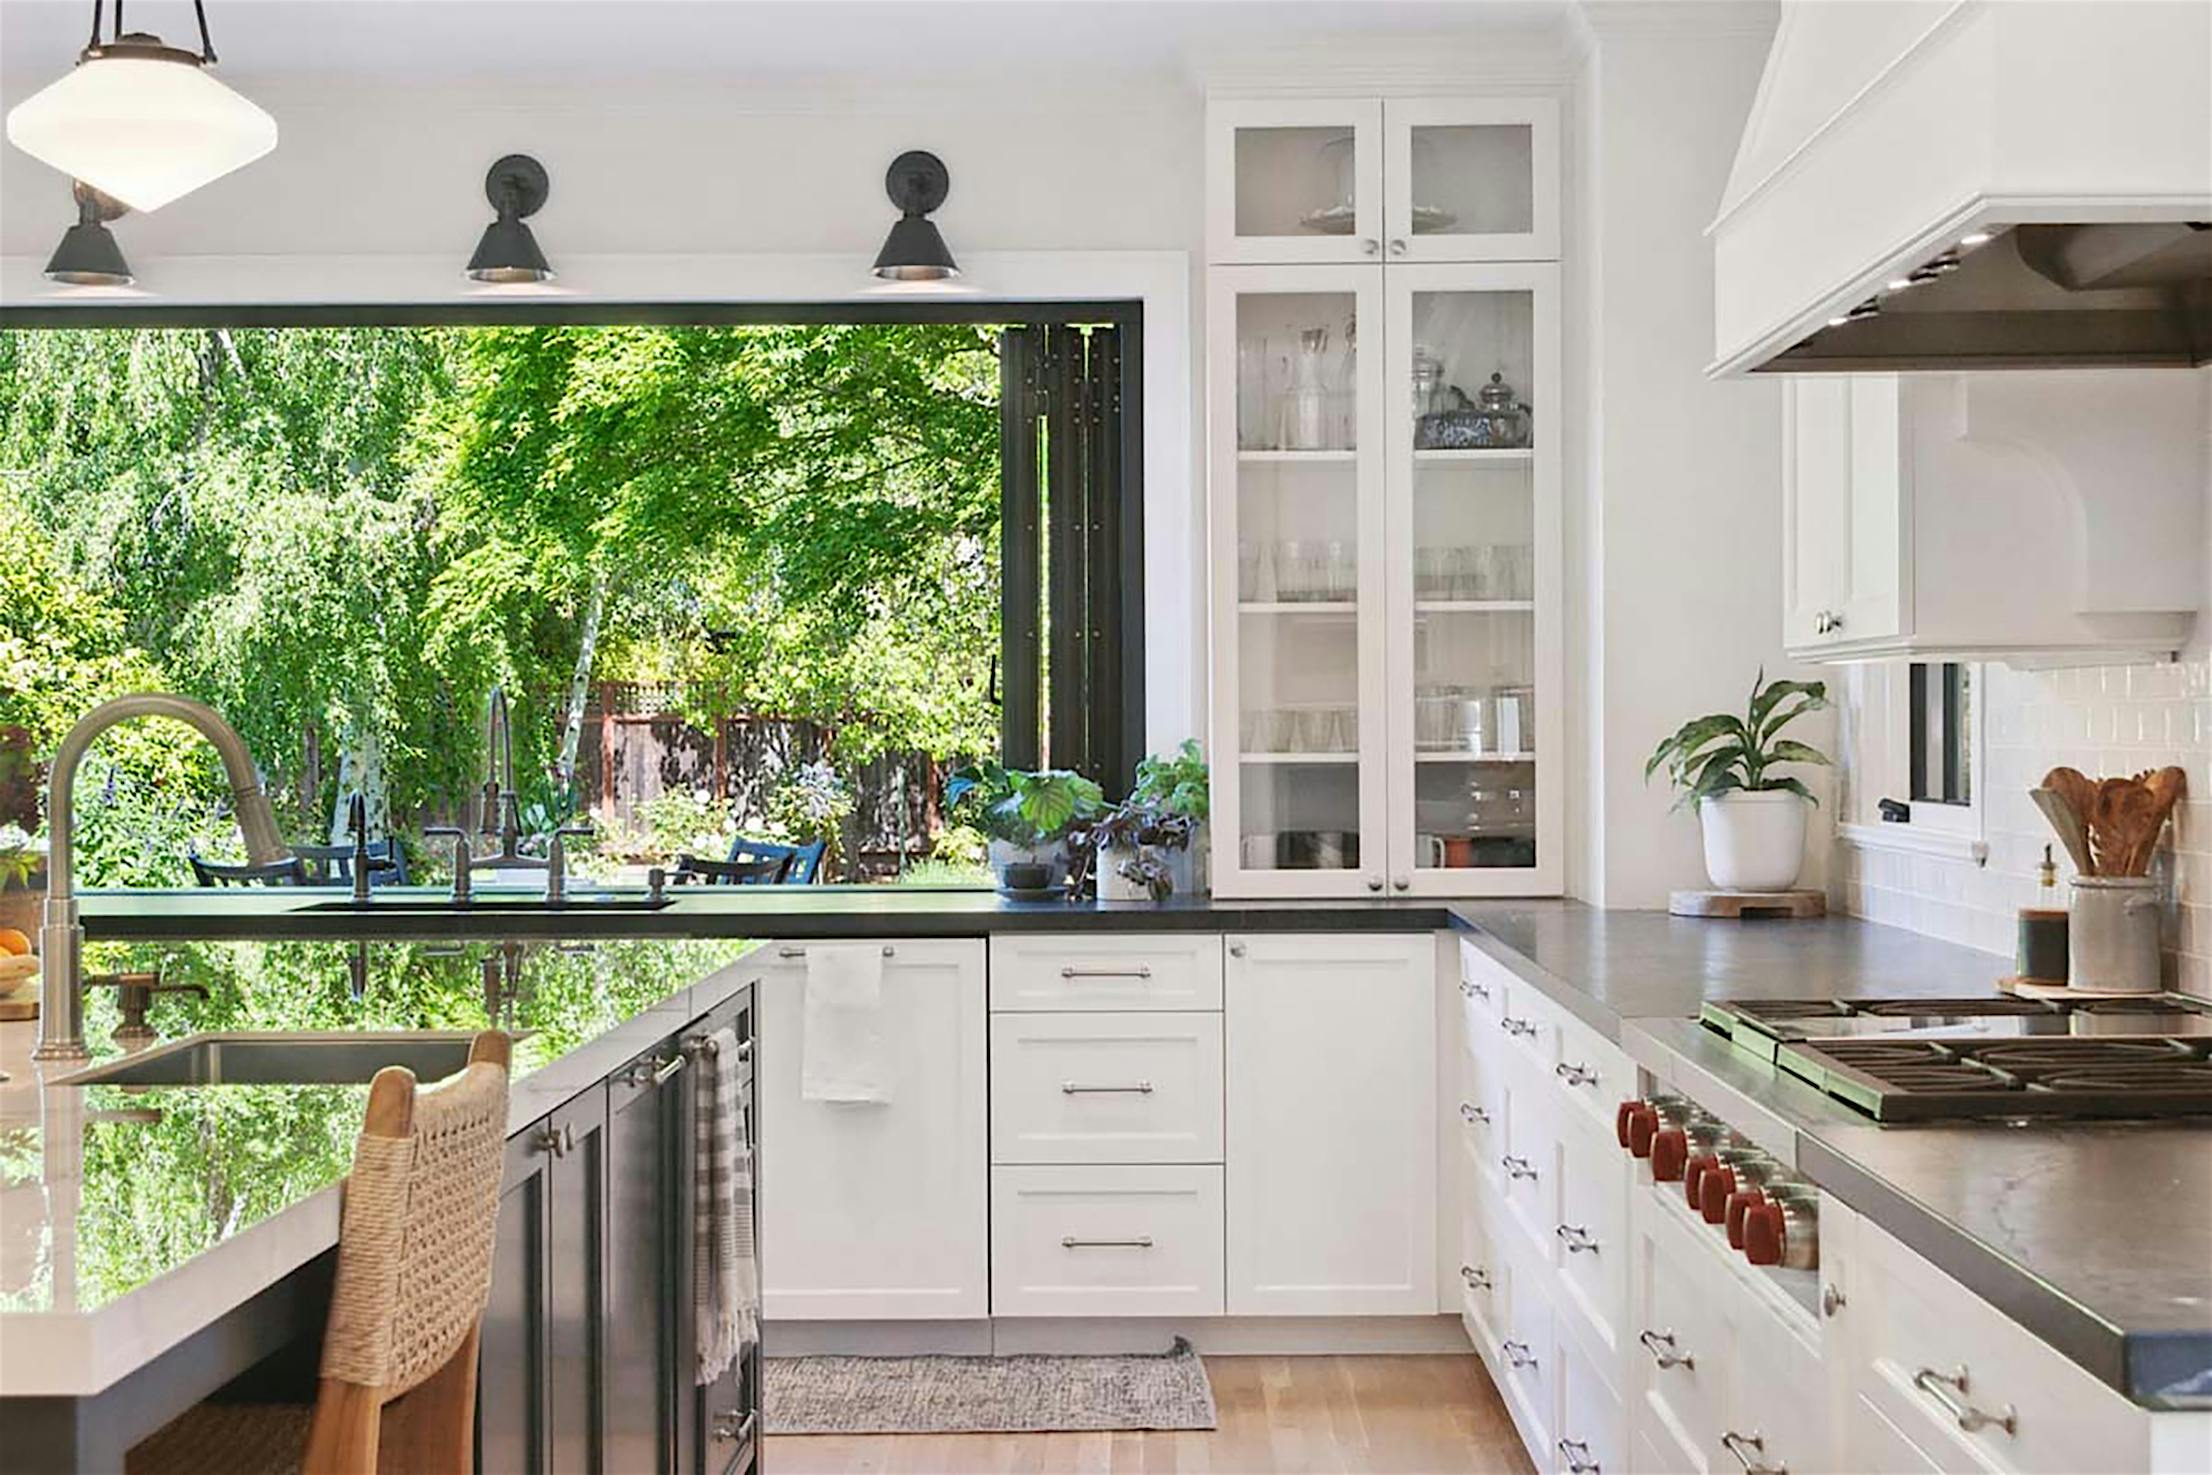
<point x="805" y="861"/>
<point x="333" y="864"/>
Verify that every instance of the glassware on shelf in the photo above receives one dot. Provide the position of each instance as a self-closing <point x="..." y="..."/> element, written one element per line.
<point x="1474" y="727"/>
<point x="1252" y="403"/>
<point x="1428" y="382"/>
<point x="1339" y="572"/>
<point x="1255" y="572"/>
<point x="1293" y="571"/>
<point x="1501" y="420"/>
<point x="1307" y="414"/>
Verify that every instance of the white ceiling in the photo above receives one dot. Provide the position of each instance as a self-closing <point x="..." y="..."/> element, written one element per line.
<point x="606" y="40"/>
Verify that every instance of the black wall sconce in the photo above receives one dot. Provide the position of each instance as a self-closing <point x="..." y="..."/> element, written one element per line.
<point x="914" y="251"/>
<point x="517" y="187"/>
<point x="88" y="255"/>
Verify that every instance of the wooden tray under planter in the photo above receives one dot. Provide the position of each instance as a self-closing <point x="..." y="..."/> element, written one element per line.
<point x="1736" y="905"/>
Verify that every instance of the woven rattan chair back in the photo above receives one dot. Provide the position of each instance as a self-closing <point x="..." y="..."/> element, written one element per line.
<point x="414" y="1272"/>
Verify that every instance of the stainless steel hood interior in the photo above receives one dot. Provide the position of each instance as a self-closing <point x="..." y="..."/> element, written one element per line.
<point x="2117" y="294"/>
<point x="1972" y="184"/>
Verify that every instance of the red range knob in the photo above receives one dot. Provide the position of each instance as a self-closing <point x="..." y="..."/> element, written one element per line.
<point x="1713" y="1190"/>
<point x="1622" y="1116"/>
<point x="1641" y="1129"/>
<point x="1762" y="1234"/>
<point x="1693" y="1172"/>
<point x="1670" y="1147"/>
<point x="1732" y="1213"/>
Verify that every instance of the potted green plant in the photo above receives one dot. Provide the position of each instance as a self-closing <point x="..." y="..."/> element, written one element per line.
<point x="1027" y="814"/>
<point x="1131" y="844"/>
<point x="1178" y="784"/>
<point x="1753" y="818"/>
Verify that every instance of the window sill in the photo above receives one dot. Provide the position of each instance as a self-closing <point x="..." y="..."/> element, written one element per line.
<point x="1916" y="840"/>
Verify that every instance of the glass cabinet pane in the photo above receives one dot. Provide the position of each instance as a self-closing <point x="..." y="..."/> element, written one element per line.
<point x="1474" y="573"/>
<point x="1472" y="179"/>
<point x="1297" y="181"/>
<point x="1298" y="593"/>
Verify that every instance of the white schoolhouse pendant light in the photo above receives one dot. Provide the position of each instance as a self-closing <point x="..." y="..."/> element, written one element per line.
<point x="140" y="121"/>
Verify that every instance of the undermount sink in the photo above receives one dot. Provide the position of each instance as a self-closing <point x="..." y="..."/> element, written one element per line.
<point x="243" y="1058"/>
<point x="531" y="902"/>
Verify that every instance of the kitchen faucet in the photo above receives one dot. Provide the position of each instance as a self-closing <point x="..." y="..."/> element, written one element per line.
<point x="61" y="1007"/>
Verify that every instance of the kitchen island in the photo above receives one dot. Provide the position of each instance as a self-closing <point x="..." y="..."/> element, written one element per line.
<point x="2128" y="1298"/>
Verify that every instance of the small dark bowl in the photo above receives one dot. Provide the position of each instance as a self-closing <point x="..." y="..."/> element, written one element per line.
<point x="1024" y="875"/>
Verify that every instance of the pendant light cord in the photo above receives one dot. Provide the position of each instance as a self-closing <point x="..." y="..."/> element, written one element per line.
<point x="94" y="43"/>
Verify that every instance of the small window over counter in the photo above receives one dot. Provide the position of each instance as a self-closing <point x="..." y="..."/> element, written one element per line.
<point x="1942" y="736"/>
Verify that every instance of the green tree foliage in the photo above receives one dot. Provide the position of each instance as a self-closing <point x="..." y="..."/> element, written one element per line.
<point x="343" y="538"/>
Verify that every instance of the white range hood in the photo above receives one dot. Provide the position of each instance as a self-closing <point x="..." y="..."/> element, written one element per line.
<point x="2045" y="167"/>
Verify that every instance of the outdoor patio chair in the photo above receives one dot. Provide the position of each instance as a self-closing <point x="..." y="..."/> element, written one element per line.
<point x="290" y="871"/>
<point x="333" y="864"/>
<point x="767" y="871"/>
<point x="806" y="860"/>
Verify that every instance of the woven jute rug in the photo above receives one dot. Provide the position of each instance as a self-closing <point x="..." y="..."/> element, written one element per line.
<point x="988" y="1395"/>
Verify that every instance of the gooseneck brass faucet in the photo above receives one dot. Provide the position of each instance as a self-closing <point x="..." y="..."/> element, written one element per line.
<point x="61" y="1007"/>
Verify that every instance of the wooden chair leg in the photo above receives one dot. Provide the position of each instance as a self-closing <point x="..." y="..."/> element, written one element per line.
<point x="431" y="1430"/>
<point x="342" y="1437"/>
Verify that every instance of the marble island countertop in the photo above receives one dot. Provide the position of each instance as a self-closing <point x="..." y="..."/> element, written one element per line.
<point x="131" y="1216"/>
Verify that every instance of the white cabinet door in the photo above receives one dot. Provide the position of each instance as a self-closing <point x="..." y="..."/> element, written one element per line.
<point x="1331" y="1125"/>
<point x="880" y="1211"/>
<point x="1475" y="651"/>
<point x="1294" y="180"/>
<point x="1844" y="511"/>
<point x="1471" y="179"/>
<point x="1294" y="436"/>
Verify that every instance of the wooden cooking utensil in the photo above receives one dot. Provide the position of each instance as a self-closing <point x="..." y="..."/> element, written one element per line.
<point x="2161" y="791"/>
<point x="2123" y="810"/>
<point x="2068" y="824"/>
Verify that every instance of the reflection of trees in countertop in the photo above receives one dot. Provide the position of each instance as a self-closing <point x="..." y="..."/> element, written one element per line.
<point x="169" y="1172"/>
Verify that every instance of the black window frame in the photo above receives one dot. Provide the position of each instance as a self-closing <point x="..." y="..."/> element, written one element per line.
<point x="1099" y="720"/>
<point x="1939" y="705"/>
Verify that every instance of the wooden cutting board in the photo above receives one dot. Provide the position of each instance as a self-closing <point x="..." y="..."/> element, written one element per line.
<point x="1736" y="905"/>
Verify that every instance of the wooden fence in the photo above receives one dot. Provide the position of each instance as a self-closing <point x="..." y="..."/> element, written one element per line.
<point x="637" y="744"/>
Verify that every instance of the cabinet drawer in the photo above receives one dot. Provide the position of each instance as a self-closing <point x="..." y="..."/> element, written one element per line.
<point x="1592" y="1433"/>
<point x="1528" y="1165"/>
<point x="1106" y="1241"/>
<point x="1780" y="1391"/>
<point x="1683" y="1352"/>
<point x="1918" y="1333"/>
<point x="1106" y="1088"/>
<point x="1477" y="1115"/>
<point x="1527" y="1369"/>
<point x="1525" y="1024"/>
<point x="1592" y="1249"/>
<point x="1482" y="1274"/>
<point x="1114" y="971"/>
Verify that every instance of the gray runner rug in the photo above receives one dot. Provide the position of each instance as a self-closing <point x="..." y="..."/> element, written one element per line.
<point x="988" y="1395"/>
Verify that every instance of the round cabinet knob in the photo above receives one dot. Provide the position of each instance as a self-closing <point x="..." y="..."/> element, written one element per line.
<point x="1670" y="1148"/>
<point x="1374" y="883"/>
<point x="1713" y="1191"/>
<point x="1642" y="1131"/>
<point x="1831" y="1300"/>
<point x="1368" y="247"/>
<point x="1739" y="1205"/>
<point x="1622" y="1115"/>
<point x="1401" y="882"/>
<point x="1397" y="248"/>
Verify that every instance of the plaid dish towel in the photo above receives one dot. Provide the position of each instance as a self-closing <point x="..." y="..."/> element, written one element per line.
<point x="726" y="1292"/>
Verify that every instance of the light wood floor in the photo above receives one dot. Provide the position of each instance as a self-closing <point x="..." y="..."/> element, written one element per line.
<point x="1279" y="1416"/>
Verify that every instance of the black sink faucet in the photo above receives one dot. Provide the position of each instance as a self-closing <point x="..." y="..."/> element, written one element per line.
<point x="357" y="819"/>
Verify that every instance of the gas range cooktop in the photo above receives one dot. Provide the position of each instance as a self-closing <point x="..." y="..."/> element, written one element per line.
<point x="1902" y="1060"/>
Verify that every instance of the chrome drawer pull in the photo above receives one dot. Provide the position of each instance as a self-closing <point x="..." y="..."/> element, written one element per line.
<point x="1469" y="1112"/>
<point x="1520" y="1027"/>
<point x="1579" y="1460"/>
<point x="1753" y="1462"/>
<point x="656" y="1073"/>
<point x="1517" y="1354"/>
<point x="1576" y="1239"/>
<point x="1071" y="971"/>
<point x="1517" y="1167"/>
<point x="1662" y="1349"/>
<point x="1141" y="1242"/>
<point x="1575" y="1075"/>
<point x="800" y="952"/>
<point x="1949" y="1389"/>
<point x="1072" y="1088"/>
<point x="1477" y="1280"/>
<point x="1470" y="989"/>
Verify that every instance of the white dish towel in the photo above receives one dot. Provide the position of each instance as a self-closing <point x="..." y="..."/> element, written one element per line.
<point x="726" y="1284"/>
<point x="844" y="1052"/>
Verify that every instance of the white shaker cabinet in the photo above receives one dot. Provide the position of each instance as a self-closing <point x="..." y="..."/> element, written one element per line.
<point x="879" y="1211"/>
<point x="1332" y="1123"/>
<point x="2046" y="518"/>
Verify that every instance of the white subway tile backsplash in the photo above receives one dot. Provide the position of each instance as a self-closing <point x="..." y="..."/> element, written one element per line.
<point x="2102" y="720"/>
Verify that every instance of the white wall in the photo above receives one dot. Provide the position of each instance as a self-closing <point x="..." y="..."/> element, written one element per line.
<point x="1679" y="515"/>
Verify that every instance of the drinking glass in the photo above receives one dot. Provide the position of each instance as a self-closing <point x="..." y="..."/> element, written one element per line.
<point x="1255" y="572"/>
<point x="1292" y="565"/>
<point x="1340" y="577"/>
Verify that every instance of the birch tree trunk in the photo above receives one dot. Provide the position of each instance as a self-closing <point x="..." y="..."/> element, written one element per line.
<point x="579" y="684"/>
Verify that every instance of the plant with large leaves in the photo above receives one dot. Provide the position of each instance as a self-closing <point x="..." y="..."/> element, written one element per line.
<point x="1723" y="753"/>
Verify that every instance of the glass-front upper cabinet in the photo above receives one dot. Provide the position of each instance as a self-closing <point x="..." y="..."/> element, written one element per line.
<point x="1295" y="406"/>
<point x="1472" y="529"/>
<point x="1356" y="179"/>
<point x="1471" y="179"/>
<point x="1295" y="180"/>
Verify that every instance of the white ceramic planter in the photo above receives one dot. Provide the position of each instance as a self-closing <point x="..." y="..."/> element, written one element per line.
<point x="1753" y="841"/>
<point x="1112" y="884"/>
